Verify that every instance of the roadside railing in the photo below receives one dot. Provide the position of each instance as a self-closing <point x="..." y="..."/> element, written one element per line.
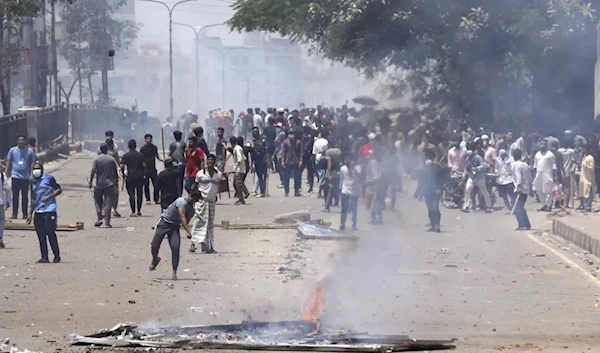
<point x="58" y="124"/>
<point x="11" y="126"/>
<point x="90" y="122"/>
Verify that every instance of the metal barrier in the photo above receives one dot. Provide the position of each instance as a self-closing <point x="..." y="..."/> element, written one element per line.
<point x="90" y="122"/>
<point x="52" y="122"/>
<point x="87" y="122"/>
<point x="11" y="126"/>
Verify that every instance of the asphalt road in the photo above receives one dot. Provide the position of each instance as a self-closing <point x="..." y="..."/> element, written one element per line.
<point x="486" y="288"/>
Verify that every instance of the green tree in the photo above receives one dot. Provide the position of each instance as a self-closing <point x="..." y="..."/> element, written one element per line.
<point x="469" y="54"/>
<point x="93" y="28"/>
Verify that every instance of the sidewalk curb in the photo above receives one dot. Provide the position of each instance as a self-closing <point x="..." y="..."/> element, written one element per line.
<point x="576" y="236"/>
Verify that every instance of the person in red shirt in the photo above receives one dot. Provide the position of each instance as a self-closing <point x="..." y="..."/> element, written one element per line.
<point x="194" y="162"/>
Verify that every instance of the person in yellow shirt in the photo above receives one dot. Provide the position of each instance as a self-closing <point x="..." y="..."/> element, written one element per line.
<point x="587" y="180"/>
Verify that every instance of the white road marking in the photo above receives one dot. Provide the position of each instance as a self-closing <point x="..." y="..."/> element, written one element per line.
<point x="565" y="259"/>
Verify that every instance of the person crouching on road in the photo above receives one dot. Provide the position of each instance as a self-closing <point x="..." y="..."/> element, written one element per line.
<point x="44" y="190"/>
<point x="177" y="215"/>
<point x="207" y="182"/>
<point x="433" y="182"/>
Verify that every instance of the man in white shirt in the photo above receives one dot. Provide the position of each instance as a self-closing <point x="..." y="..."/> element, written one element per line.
<point x="568" y="154"/>
<point x="258" y="121"/>
<point x="521" y="175"/>
<point x="457" y="157"/>
<point x="319" y="147"/>
<point x="504" y="179"/>
<point x="351" y="190"/>
<point x="5" y="197"/>
<point x="207" y="181"/>
<point x="545" y="175"/>
<point x="239" y="168"/>
<point x="489" y="152"/>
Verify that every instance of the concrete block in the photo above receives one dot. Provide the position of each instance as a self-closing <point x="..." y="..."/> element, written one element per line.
<point x="582" y="233"/>
<point x="293" y="217"/>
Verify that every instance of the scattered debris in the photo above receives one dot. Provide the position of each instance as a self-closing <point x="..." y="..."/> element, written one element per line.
<point x="453" y="266"/>
<point x="254" y="335"/>
<point x="293" y="217"/>
<point x="310" y="231"/>
<point x="129" y="229"/>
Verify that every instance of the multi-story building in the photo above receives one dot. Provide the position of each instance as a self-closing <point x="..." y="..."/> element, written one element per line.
<point x="261" y="72"/>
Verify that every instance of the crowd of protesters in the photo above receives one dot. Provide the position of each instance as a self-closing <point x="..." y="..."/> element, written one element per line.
<point x="336" y="155"/>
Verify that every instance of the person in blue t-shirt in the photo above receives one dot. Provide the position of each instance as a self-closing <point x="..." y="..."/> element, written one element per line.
<point x="44" y="190"/>
<point x="19" y="163"/>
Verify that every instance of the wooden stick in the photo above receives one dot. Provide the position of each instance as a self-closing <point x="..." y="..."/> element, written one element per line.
<point x="60" y="227"/>
<point x="267" y="183"/>
<point x="512" y="212"/>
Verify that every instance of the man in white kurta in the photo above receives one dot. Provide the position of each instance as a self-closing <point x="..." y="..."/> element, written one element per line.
<point x="207" y="181"/>
<point x="545" y="174"/>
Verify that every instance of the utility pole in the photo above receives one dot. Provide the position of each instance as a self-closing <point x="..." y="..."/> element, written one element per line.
<point x="170" y="9"/>
<point x="42" y="59"/>
<point x="54" y="53"/>
<point x="28" y="82"/>
<point x="105" y="58"/>
<point x="197" y="30"/>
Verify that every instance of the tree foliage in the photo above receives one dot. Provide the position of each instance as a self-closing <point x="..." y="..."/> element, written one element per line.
<point x="93" y="29"/>
<point x="439" y="42"/>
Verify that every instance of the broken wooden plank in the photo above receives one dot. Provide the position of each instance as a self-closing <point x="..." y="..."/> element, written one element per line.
<point x="227" y="225"/>
<point x="311" y="231"/>
<point x="60" y="227"/>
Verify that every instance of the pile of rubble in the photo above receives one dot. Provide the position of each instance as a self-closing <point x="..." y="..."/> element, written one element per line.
<point x="254" y="335"/>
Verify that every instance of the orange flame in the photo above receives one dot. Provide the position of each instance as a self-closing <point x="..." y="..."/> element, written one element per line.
<point x="312" y="310"/>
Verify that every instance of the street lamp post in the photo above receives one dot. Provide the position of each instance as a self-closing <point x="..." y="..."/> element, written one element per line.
<point x="197" y="31"/>
<point x="248" y="78"/>
<point x="223" y="57"/>
<point x="170" y="9"/>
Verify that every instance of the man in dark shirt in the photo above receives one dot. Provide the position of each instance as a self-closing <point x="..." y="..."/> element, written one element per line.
<point x="258" y="150"/>
<point x="167" y="184"/>
<point x="150" y="152"/>
<point x="177" y="153"/>
<point x="433" y="182"/>
<point x="270" y="133"/>
<point x="199" y="133"/>
<point x="308" y="141"/>
<point x="221" y="149"/>
<point x="292" y="156"/>
<point x="136" y="170"/>
<point x="105" y="171"/>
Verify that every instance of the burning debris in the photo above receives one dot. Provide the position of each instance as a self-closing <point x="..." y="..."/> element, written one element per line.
<point x="253" y="335"/>
<point x="313" y="309"/>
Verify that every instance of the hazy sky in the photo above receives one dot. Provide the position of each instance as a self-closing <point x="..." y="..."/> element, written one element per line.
<point x="154" y="18"/>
